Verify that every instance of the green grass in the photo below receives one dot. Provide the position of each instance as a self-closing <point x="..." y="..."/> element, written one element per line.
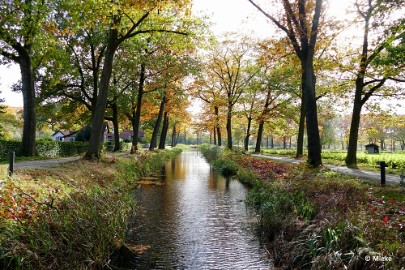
<point x="395" y="161"/>
<point x="3" y="170"/>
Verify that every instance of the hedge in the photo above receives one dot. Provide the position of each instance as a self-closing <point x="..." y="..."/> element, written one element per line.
<point x="44" y="148"/>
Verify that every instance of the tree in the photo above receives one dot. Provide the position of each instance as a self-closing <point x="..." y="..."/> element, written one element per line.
<point x="23" y="41"/>
<point x="250" y="100"/>
<point x="127" y="20"/>
<point x="231" y="69"/>
<point x="301" y="25"/>
<point x="2" y="111"/>
<point x="383" y="40"/>
<point x="203" y="89"/>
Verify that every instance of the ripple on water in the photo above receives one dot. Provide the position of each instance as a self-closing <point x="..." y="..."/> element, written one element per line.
<point x="198" y="220"/>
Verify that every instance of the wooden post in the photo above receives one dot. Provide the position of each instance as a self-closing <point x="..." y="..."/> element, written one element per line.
<point x="11" y="163"/>
<point x="382" y="167"/>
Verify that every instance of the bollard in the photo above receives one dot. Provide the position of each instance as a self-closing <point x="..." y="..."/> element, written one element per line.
<point x="382" y="167"/>
<point x="11" y="164"/>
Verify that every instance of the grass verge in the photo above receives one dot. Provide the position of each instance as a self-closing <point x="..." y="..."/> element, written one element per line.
<point x="371" y="162"/>
<point x="319" y="219"/>
<point x="72" y="216"/>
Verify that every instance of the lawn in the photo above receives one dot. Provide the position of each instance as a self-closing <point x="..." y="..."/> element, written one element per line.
<point x="395" y="161"/>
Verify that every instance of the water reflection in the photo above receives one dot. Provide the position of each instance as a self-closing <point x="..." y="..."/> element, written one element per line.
<point x="197" y="220"/>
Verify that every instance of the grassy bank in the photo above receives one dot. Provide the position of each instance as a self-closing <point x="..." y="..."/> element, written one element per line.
<point x="319" y="219"/>
<point x="72" y="216"/>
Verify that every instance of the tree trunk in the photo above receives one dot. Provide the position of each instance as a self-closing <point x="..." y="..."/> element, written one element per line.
<point x="174" y="136"/>
<point x="246" y="142"/>
<point x="284" y="142"/>
<point x="229" y="127"/>
<point x="116" y="128"/>
<point x="351" y="157"/>
<point x="272" y="142"/>
<point x="137" y="117"/>
<point x="314" y="142"/>
<point x="216" y="108"/>
<point x="28" y="91"/>
<point x="93" y="151"/>
<point x="215" y="136"/>
<point x="177" y="137"/>
<point x="163" y="134"/>
<point x="156" y="128"/>
<point x="259" y="136"/>
<point x="301" y="129"/>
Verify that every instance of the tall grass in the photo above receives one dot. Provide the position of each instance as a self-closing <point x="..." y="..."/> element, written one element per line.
<point x="72" y="216"/>
<point x="319" y="219"/>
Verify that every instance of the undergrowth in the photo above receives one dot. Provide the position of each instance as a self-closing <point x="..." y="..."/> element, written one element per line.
<point x="72" y="216"/>
<point x="319" y="219"/>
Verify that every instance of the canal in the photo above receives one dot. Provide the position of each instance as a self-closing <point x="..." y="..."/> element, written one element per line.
<point x="196" y="220"/>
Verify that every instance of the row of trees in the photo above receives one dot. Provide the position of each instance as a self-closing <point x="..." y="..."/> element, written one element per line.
<point x="131" y="62"/>
<point x="98" y="60"/>
<point x="279" y="74"/>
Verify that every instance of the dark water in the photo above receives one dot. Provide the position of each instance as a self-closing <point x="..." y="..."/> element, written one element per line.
<point x="197" y="220"/>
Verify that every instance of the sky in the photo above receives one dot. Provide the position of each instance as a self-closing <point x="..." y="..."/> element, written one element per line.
<point x="226" y="16"/>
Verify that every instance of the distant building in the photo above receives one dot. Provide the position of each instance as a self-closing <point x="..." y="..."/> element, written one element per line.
<point x="372" y="148"/>
<point x="64" y="136"/>
<point x="127" y="135"/>
<point x="69" y="135"/>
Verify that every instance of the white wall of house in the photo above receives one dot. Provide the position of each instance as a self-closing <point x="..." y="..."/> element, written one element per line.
<point x="58" y="137"/>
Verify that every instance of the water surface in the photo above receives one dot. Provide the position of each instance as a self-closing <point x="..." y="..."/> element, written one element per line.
<point x="197" y="220"/>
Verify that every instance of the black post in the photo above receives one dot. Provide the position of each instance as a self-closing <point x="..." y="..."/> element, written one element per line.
<point x="11" y="163"/>
<point x="382" y="167"/>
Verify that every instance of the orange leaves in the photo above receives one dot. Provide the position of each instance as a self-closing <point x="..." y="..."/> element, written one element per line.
<point x="16" y="205"/>
<point x="390" y="213"/>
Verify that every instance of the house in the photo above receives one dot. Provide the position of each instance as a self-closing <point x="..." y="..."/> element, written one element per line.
<point x="128" y="134"/>
<point x="372" y="148"/>
<point x="108" y="134"/>
<point x="64" y="136"/>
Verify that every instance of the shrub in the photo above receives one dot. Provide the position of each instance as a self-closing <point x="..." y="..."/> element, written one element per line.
<point x="44" y="148"/>
<point x="226" y="166"/>
<point x="247" y="177"/>
<point x="211" y="152"/>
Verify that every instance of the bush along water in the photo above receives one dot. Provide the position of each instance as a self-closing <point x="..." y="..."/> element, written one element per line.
<point x="318" y="219"/>
<point x="72" y="216"/>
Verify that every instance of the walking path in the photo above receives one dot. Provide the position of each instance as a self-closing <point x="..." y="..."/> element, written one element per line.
<point x="53" y="162"/>
<point x="390" y="178"/>
<point x="44" y="162"/>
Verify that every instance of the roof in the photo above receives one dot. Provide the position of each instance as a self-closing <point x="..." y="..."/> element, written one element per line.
<point x="371" y="145"/>
<point x="64" y="132"/>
